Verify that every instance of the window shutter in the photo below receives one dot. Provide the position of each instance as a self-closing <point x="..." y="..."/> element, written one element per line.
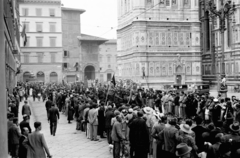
<point x="52" y="12"/>
<point x="39" y="27"/>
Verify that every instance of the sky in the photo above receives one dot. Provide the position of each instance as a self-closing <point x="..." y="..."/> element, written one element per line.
<point x="100" y="18"/>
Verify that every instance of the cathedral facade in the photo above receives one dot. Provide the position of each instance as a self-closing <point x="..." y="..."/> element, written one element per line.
<point x="159" y="42"/>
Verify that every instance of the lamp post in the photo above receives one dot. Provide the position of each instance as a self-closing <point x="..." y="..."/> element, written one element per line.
<point x="223" y="13"/>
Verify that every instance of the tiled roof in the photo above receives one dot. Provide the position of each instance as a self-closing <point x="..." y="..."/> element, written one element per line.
<point x="85" y="37"/>
<point x="73" y="9"/>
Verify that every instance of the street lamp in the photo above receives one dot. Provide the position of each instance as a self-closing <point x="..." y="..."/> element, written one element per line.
<point x="223" y="13"/>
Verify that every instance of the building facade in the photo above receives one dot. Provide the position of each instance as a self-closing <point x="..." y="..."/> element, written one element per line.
<point x="108" y="60"/>
<point x="71" y="29"/>
<point x="211" y="46"/>
<point x="41" y="57"/>
<point x="89" y="64"/>
<point x="159" y="42"/>
<point x="10" y="50"/>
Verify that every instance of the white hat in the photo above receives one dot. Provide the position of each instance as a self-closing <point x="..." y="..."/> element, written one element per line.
<point x="148" y="110"/>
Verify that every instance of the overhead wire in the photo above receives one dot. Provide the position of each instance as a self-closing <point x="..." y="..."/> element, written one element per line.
<point x="132" y="18"/>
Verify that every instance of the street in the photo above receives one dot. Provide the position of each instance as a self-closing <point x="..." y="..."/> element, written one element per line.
<point x="68" y="143"/>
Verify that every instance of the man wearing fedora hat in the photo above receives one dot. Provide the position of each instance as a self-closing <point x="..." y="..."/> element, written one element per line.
<point x="25" y="124"/>
<point x="183" y="151"/>
<point x="234" y="132"/>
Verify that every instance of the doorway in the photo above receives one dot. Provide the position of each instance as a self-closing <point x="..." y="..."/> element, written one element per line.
<point x="178" y="79"/>
<point x="89" y="73"/>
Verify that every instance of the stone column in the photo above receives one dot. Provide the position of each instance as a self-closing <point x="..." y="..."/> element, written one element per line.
<point x="3" y="106"/>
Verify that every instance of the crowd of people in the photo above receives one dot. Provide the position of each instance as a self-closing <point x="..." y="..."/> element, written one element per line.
<point x="143" y="122"/>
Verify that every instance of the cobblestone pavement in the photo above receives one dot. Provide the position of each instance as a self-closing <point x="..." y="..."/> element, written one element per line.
<point x="68" y="143"/>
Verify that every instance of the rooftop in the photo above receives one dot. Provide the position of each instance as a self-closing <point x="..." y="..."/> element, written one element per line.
<point x="40" y="1"/>
<point x="85" y="37"/>
<point x="112" y="41"/>
<point x="73" y="9"/>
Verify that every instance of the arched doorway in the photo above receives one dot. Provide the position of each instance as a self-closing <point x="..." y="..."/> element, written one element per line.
<point x="26" y="76"/>
<point x="53" y="77"/>
<point x="89" y="73"/>
<point x="40" y="76"/>
<point x="179" y="79"/>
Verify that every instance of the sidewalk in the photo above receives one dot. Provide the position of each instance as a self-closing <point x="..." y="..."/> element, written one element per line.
<point x="68" y="143"/>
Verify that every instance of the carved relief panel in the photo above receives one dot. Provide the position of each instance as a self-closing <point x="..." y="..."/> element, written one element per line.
<point x="196" y="68"/>
<point x="151" y="69"/>
<point x="150" y="38"/>
<point x="137" y="69"/>
<point x="169" y="39"/>
<point x="143" y="38"/>
<point x="170" y="69"/>
<point x="163" y="38"/>
<point x="164" y="69"/>
<point x="188" y="68"/>
<point x="157" y="69"/>
<point x="157" y="38"/>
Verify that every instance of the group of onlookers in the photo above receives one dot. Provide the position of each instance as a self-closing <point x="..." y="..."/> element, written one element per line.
<point x="148" y="122"/>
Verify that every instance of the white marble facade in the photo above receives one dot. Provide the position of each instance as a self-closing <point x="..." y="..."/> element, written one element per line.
<point x="160" y="38"/>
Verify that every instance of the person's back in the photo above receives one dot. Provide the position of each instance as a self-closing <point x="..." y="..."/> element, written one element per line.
<point x="36" y="144"/>
<point x="53" y="114"/>
<point x="36" y="141"/>
<point x="169" y="137"/>
<point x="26" y="109"/>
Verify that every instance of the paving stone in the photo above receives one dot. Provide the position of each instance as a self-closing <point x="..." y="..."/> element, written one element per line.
<point x="68" y="143"/>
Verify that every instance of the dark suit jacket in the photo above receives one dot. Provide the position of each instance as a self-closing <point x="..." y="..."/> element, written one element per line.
<point x="48" y="104"/>
<point x="53" y="114"/>
<point x="26" y="110"/>
<point x="14" y="134"/>
<point x="139" y="134"/>
<point x="24" y="124"/>
<point x="22" y="152"/>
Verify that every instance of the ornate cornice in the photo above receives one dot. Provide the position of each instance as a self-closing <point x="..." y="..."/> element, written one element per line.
<point x="40" y="1"/>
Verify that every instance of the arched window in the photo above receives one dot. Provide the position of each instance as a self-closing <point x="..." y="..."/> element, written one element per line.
<point x="53" y="77"/>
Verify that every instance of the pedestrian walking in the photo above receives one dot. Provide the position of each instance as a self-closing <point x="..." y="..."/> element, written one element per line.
<point x="26" y="110"/>
<point x="53" y="119"/>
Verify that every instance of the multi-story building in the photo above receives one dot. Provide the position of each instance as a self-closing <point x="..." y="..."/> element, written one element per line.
<point x="211" y="46"/>
<point x="89" y="63"/>
<point x="159" y="39"/>
<point x="71" y="29"/>
<point x="108" y="60"/>
<point x="10" y="50"/>
<point x="42" y="54"/>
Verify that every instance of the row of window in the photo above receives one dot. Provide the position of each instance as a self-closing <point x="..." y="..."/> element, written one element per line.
<point x="39" y="42"/>
<point x="126" y="4"/>
<point x="108" y="58"/>
<point x="39" y="56"/>
<point x="38" y="12"/>
<point x="230" y="68"/>
<point x="39" y="27"/>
